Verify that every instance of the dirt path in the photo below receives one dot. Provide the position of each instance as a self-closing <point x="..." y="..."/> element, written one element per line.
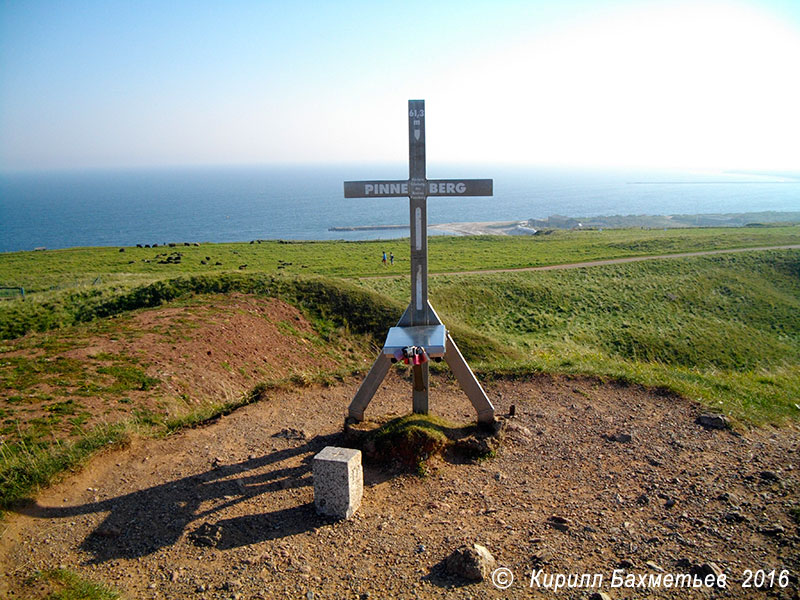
<point x="226" y="510"/>
<point x="599" y="263"/>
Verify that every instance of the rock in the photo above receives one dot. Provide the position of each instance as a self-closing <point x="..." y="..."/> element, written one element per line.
<point x="773" y="531"/>
<point x="654" y="566"/>
<point x="517" y="431"/>
<point x="669" y="503"/>
<point x="473" y="562"/>
<point x="643" y="499"/>
<point x="232" y="584"/>
<point x="622" y="438"/>
<point x="704" y="570"/>
<point x="735" y="517"/>
<point x="338" y="481"/>
<point x="769" y="476"/>
<point x="475" y="447"/>
<point x="291" y="434"/>
<point x="713" y="421"/>
<point x="599" y="596"/>
<point x="560" y="523"/>
<point x="206" y="535"/>
<point x="625" y="564"/>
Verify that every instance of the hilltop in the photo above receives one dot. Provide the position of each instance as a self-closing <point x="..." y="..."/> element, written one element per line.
<point x="211" y="391"/>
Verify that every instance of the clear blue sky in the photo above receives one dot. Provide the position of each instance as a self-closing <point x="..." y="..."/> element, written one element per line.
<point x="602" y="83"/>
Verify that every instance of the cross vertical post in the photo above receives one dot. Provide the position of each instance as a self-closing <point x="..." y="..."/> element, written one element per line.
<point x="419" y="212"/>
<point x="419" y="240"/>
<point x="419" y="328"/>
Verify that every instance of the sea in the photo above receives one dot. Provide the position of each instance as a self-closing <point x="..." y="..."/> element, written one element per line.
<point x="62" y="209"/>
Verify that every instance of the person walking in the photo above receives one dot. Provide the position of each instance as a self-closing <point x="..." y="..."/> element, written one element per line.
<point x="391" y="258"/>
<point x="383" y="260"/>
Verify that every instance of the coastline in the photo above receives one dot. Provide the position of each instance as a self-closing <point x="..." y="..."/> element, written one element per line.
<point x="533" y="226"/>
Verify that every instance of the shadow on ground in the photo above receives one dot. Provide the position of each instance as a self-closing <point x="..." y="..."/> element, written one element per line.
<point x="142" y="522"/>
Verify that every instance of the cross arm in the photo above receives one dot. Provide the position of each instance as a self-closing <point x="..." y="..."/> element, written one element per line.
<point x="376" y="189"/>
<point x="460" y="187"/>
<point x="431" y="187"/>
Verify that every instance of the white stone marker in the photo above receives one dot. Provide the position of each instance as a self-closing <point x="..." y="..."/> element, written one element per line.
<point x="338" y="481"/>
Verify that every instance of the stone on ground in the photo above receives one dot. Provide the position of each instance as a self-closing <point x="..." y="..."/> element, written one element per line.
<point x="338" y="481"/>
<point x="472" y="562"/>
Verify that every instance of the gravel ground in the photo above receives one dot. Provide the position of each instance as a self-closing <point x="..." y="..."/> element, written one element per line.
<point x="591" y="478"/>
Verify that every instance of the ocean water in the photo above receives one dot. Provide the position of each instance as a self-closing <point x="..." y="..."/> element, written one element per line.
<point x="129" y="207"/>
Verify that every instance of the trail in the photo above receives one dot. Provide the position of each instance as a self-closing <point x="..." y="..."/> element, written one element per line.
<point x="598" y="263"/>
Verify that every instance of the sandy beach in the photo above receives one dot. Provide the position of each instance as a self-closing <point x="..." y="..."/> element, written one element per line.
<point x="485" y="228"/>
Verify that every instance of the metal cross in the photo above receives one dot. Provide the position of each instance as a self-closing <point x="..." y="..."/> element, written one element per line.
<point x="420" y="325"/>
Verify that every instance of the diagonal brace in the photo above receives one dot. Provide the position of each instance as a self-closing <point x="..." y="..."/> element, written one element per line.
<point x="466" y="379"/>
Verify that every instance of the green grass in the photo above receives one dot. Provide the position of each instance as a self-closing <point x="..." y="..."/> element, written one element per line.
<point x="34" y="462"/>
<point x="410" y="441"/>
<point x="36" y="459"/>
<point x="722" y="329"/>
<point x="64" y="584"/>
<point x="329" y="303"/>
<point x="88" y="268"/>
<point x="127" y="377"/>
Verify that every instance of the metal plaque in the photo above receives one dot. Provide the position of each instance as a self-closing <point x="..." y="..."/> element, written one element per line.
<point x="418" y="189"/>
<point x="375" y="189"/>
<point x="460" y="187"/>
<point x="431" y="337"/>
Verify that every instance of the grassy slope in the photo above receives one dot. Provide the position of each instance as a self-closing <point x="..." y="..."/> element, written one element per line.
<point x="30" y="454"/>
<point x="40" y="271"/>
<point x="723" y="329"/>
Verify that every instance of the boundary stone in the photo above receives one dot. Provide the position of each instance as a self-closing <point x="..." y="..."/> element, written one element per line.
<point x="338" y="481"/>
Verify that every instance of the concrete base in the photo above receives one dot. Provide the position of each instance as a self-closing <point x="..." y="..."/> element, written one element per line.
<point x="338" y="482"/>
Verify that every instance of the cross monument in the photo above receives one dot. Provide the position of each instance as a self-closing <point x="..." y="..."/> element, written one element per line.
<point x="419" y="333"/>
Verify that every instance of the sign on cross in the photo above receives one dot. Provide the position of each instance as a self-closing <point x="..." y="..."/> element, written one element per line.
<point x="420" y="327"/>
<point x="435" y="187"/>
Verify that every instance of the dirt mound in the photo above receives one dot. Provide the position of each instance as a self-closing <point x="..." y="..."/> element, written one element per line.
<point x="592" y="477"/>
<point x="160" y="362"/>
<point x="407" y="443"/>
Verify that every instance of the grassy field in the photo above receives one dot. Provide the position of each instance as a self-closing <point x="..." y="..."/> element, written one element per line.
<point x="98" y="267"/>
<point x="723" y="330"/>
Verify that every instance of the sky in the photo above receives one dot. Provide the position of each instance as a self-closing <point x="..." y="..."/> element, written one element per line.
<point x="601" y="83"/>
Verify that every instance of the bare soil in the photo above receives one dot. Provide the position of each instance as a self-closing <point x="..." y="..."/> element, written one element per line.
<point x="210" y="351"/>
<point x="590" y="477"/>
<point x="226" y="510"/>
